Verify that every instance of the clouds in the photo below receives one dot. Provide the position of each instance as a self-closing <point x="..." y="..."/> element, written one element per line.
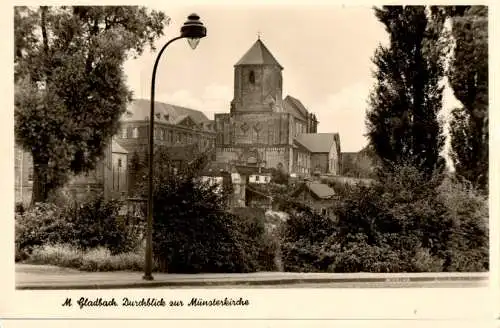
<point x="344" y="112"/>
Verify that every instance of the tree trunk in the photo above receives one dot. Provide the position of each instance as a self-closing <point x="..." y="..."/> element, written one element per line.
<point x="40" y="189"/>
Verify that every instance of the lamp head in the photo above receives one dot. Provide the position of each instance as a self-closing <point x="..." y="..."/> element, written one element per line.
<point x="193" y="30"/>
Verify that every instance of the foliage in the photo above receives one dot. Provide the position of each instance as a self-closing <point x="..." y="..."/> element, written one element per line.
<point x="468" y="249"/>
<point x="70" y="88"/>
<point x="96" y="222"/>
<point x="19" y="208"/>
<point x="468" y="76"/>
<point x="359" y="165"/>
<point x="39" y="225"/>
<point x="192" y="230"/>
<point x="97" y="259"/>
<point x="279" y="176"/>
<point x="261" y="244"/>
<point x="403" y="204"/>
<point x="86" y="225"/>
<point x="304" y="237"/>
<point x="402" y="120"/>
<point x="404" y="222"/>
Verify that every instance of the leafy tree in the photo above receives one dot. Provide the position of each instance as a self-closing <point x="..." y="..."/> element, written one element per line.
<point x="70" y="88"/>
<point x="192" y="229"/>
<point x="468" y="76"/>
<point x="360" y="164"/>
<point x="402" y="120"/>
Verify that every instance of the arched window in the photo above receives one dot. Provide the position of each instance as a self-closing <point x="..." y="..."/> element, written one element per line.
<point x="135" y="133"/>
<point x="251" y="77"/>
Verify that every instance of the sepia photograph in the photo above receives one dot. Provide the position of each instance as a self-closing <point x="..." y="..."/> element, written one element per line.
<point x="250" y="147"/>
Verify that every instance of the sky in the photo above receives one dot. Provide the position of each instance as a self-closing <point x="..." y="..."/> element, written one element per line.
<point x="325" y="50"/>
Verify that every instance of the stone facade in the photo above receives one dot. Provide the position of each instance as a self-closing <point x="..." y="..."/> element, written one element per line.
<point x="174" y="126"/>
<point x="264" y="130"/>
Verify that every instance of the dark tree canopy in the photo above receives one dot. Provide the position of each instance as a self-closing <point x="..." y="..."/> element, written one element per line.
<point x="402" y="120"/>
<point x="468" y="76"/>
<point x="70" y="87"/>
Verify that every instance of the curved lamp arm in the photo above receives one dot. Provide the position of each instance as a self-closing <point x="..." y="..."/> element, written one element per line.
<point x="149" y="242"/>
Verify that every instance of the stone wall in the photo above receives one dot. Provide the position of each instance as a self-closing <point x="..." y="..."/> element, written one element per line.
<point x="257" y="129"/>
<point x="257" y="88"/>
<point x="272" y="156"/>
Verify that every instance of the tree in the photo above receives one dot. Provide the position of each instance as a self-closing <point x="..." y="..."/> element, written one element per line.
<point x="402" y="120"/>
<point x="192" y="229"/>
<point x="70" y="88"/>
<point x="468" y="76"/>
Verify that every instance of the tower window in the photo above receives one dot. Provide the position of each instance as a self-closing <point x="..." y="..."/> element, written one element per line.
<point x="251" y="78"/>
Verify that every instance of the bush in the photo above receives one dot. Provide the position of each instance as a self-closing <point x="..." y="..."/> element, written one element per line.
<point x="19" y="209"/>
<point x="89" y="224"/>
<point x="39" y="225"/>
<point x="402" y="211"/>
<point x="308" y="240"/>
<point x="259" y="243"/>
<point x="468" y="248"/>
<point x="192" y="231"/>
<point x="404" y="222"/>
<point x="97" y="223"/>
<point x="98" y="259"/>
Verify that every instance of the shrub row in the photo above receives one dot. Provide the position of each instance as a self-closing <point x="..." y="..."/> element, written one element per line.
<point x="405" y="222"/>
<point x="96" y="259"/>
<point x="84" y="225"/>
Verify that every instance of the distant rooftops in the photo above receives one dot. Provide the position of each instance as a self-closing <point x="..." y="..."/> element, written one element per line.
<point x="138" y="110"/>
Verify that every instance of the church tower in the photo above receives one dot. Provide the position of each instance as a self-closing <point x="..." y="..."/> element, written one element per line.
<point x="258" y="82"/>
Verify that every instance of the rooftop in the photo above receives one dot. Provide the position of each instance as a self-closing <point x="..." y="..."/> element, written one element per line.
<point x="317" y="142"/>
<point x="138" y="110"/>
<point x="321" y="190"/>
<point x="293" y="105"/>
<point x="258" y="54"/>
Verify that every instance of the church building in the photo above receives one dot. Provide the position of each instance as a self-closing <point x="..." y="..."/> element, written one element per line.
<point x="265" y="131"/>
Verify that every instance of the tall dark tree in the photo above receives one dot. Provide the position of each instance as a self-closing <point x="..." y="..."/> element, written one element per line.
<point x="402" y="119"/>
<point x="70" y="88"/>
<point x="468" y="76"/>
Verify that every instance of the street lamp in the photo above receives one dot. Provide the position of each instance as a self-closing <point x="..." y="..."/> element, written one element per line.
<point x="193" y="30"/>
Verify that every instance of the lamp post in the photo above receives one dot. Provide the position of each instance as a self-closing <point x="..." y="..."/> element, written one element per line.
<point x="193" y="30"/>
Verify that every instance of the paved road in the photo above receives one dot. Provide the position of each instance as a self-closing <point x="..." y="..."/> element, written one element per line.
<point x="49" y="277"/>
<point x="437" y="284"/>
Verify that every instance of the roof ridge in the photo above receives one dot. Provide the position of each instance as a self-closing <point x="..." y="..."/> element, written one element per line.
<point x="258" y="54"/>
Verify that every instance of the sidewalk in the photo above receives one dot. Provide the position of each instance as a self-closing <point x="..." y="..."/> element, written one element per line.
<point x="50" y="277"/>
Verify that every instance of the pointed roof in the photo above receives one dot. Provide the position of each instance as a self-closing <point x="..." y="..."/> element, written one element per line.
<point x="258" y="54"/>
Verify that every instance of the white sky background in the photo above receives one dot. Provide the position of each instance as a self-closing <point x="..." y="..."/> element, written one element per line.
<point x="325" y="50"/>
